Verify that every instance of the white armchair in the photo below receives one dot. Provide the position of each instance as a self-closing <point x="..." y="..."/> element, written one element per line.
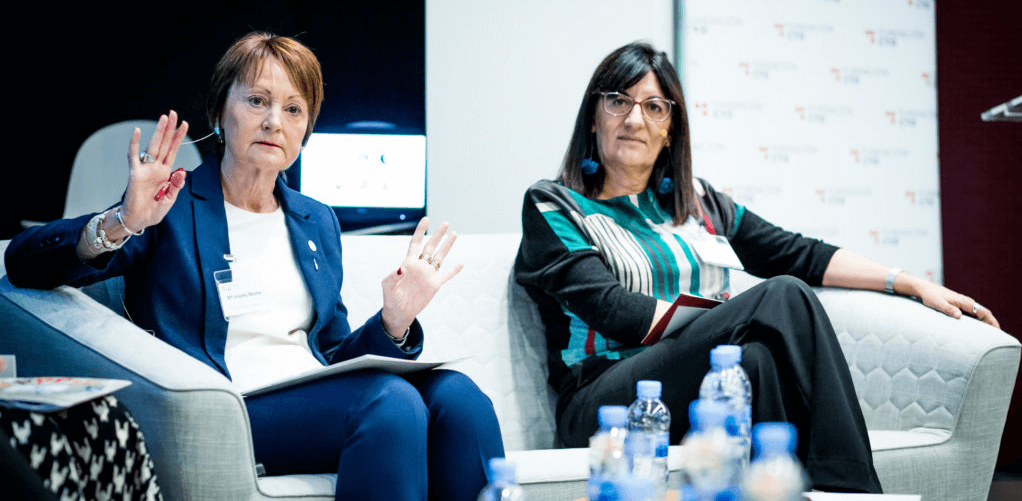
<point x="934" y="390"/>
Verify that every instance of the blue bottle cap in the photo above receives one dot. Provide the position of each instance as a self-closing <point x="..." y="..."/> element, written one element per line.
<point x="630" y="487"/>
<point x="707" y="414"/>
<point x="725" y="355"/>
<point x="776" y="438"/>
<point x="502" y="470"/>
<point x="613" y="416"/>
<point x="648" y="389"/>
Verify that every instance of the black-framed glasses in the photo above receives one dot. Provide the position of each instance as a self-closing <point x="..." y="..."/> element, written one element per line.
<point x="618" y="104"/>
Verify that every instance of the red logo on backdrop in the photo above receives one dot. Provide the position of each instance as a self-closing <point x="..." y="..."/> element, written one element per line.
<point x="890" y="114"/>
<point x="837" y="74"/>
<point x="745" y="67"/>
<point x="855" y="154"/>
<point x="764" y="150"/>
<point x="872" y="36"/>
<point x="876" y="236"/>
<point x="911" y="196"/>
<point x="780" y="29"/>
<point x="822" y="194"/>
<point x="930" y="275"/>
<point x="729" y="191"/>
<point x="926" y="78"/>
<point x="702" y="106"/>
<point x="801" y="110"/>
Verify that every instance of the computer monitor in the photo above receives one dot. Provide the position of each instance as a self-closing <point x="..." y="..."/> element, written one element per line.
<point x="374" y="182"/>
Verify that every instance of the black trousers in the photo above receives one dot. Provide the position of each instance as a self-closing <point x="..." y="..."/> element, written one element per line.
<point x="796" y="366"/>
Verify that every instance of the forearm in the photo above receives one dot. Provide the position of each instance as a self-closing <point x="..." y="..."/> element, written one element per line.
<point x="852" y="271"/>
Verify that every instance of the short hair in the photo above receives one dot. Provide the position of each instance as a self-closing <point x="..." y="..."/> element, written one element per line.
<point x="243" y="61"/>
<point x="620" y="70"/>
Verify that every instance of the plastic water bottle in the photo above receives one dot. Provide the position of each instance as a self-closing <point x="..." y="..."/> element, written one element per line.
<point x="607" y="461"/>
<point x="711" y="459"/>
<point x="503" y="486"/>
<point x="649" y="421"/>
<point x="775" y="474"/>
<point x="728" y="383"/>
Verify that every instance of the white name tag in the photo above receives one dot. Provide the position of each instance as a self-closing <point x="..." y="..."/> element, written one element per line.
<point x="240" y="291"/>
<point x="714" y="249"/>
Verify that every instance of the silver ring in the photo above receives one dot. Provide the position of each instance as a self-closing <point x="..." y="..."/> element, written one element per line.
<point x="146" y="158"/>
<point x="975" y="307"/>
<point x="426" y="257"/>
<point x="436" y="265"/>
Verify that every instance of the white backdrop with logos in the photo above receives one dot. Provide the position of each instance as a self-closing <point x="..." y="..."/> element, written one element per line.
<point x="820" y="116"/>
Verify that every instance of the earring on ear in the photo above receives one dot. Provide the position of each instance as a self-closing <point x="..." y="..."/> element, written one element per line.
<point x="219" y="136"/>
<point x="666" y="186"/>
<point x="589" y="166"/>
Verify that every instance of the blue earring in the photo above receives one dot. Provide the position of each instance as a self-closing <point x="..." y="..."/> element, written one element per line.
<point x="666" y="186"/>
<point x="589" y="166"/>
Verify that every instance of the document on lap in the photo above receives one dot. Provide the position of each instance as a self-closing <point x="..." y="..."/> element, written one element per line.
<point x="683" y="311"/>
<point x="392" y="365"/>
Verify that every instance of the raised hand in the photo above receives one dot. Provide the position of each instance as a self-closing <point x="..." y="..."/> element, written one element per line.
<point x="152" y="187"/>
<point x="407" y="291"/>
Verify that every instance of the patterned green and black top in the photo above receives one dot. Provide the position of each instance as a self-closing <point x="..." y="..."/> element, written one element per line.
<point x="596" y="267"/>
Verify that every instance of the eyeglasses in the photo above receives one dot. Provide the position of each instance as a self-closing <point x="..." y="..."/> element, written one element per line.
<point x="656" y="109"/>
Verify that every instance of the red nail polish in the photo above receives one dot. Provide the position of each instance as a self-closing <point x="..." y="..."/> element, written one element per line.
<point x="399" y="271"/>
<point x="163" y="191"/>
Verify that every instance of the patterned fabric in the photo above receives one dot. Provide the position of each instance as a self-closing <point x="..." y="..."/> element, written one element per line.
<point x="643" y="248"/>
<point x="596" y="268"/>
<point x="92" y="451"/>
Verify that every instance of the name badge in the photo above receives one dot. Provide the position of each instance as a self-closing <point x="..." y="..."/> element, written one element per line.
<point x="714" y="249"/>
<point x="240" y="290"/>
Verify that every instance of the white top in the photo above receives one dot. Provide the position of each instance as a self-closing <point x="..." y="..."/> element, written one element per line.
<point x="270" y="344"/>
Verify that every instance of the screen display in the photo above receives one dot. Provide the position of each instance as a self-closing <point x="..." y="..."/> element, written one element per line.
<point x="365" y="170"/>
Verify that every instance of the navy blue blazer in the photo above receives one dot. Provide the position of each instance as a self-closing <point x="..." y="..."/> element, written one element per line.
<point x="168" y="272"/>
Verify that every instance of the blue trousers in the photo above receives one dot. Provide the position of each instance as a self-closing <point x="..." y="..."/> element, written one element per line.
<point x="427" y="435"/>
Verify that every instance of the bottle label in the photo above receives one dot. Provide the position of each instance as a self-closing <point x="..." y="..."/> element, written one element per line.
<point x="663" y="442"/>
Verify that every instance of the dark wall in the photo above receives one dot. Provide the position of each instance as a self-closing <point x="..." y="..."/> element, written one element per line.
<point x="979" y="65"/>
<point x="85" y="68"/>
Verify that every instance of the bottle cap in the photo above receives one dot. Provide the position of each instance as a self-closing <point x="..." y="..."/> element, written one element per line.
<point x="705" y="414"/>
<point x="772" y="439"/>
<point x="630" y="487"/>
<point x="725" y="355"/>
<point x="613" y="416"/>
<point x="648" y="390"/>
<point x="502" y="470"/>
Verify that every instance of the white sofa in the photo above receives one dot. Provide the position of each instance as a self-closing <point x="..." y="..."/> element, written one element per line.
<point x="934" y="390"/>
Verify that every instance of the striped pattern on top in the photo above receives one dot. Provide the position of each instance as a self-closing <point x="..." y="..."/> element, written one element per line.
<point x="642" y="247"/>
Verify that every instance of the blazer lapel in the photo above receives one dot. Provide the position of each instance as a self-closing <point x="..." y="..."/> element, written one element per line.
<point x="210" y="221"/>
<point x="307" y="245"/>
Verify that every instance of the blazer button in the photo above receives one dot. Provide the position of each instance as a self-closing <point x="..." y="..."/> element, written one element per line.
<point x="312" y="245"/>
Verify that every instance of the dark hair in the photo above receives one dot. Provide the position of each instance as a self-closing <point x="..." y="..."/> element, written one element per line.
<point x="622" y="69"/>
<point x="243" y="61"/>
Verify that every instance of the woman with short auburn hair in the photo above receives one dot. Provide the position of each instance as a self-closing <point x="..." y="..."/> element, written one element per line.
<point x="190" y="245"/>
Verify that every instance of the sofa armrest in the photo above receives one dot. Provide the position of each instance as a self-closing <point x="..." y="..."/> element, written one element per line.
<point x="913" y="366"/>
<point x="195" y="423"/>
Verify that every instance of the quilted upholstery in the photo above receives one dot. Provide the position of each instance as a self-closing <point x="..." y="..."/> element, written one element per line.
<point x="934" y="390"/>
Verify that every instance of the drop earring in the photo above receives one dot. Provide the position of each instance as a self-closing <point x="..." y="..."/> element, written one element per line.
<point x="589" y="166"/>
<point x="666" y="186"/>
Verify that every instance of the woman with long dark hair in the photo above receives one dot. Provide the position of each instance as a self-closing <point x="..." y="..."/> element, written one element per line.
<point x="625" y="229"/>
